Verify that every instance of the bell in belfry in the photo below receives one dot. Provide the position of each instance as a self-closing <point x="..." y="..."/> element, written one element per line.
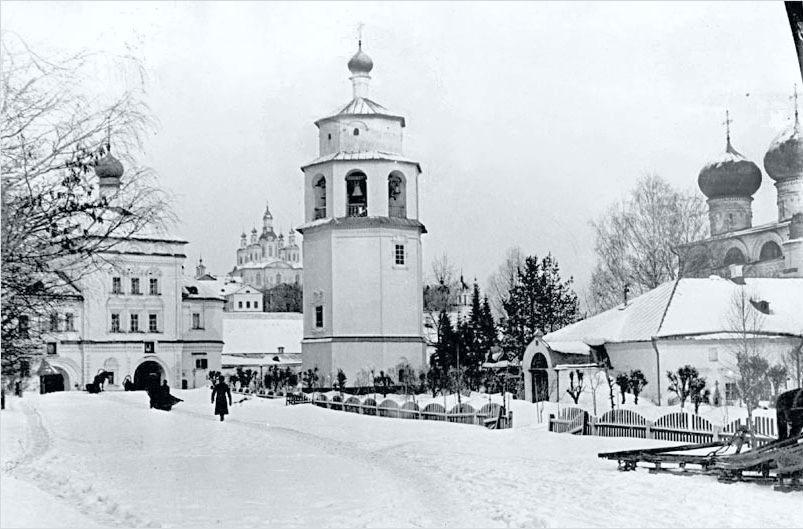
<point x="357" y="192"/>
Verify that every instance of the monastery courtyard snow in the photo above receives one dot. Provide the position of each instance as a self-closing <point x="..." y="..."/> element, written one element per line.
<point x="85" y="460"/>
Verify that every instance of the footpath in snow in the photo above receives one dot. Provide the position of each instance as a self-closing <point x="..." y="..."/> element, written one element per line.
<point x="109" y="460"/>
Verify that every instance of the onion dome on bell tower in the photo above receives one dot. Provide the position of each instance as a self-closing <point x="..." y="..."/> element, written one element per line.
<point x="360" y="66"/>
<point x="729" y="182"/>
<point x="784" y="164"/>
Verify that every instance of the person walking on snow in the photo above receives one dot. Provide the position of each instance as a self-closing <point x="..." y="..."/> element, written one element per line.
<point x="220" y="391"/>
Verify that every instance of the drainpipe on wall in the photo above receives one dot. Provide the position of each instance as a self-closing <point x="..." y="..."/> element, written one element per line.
<point x="654" y="342"/>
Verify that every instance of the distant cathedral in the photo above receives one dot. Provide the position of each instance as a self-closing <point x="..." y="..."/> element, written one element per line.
<point x="774" y="249"/>
<point x="268" y="260"/>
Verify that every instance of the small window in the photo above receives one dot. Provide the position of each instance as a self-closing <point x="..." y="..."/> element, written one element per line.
<point x="152" y="323"/>
<point x="115" y="322"/>
<point x="153" y="287"/>
<point x="713" y="355"/>
<point x="239" y="304"/>
<point x="196" y="320"/>
<point x="356" y="132"/>
<point x="24" y="326"/>
<point x="110" y="377"/>
<point x="117" y="285"/>
<point x="51" y="348"/>
<point x="54" y="322"/>
<point x="248" y="304"/>
<point x="731" y="393"/>
<point x="134" y="327"/>
<point x="319" y="316"/>
<point x="69" y="321"/>
<point x="329" y="136"/>
<point x="201" y="363"/>
<point x="135" y="285"/>
<point x="399" y="254"/>
<point x="256" y="304"/>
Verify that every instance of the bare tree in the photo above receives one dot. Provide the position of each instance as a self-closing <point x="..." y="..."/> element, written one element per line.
<point x="504" y="280"/>
<point x="635" y="240"/>
<point x="57" y="226"/>
<point x="746" y="322"/>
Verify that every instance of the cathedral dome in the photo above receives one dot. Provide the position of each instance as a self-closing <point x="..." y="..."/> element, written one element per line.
<point x="360" y="62"/>
<point x="729" y="175"/>
<point x="109" y="167"/>
<point x="784" y="158"/>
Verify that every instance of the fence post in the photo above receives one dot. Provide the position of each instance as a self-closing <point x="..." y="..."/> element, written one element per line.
<point x="717" y="432"/>
<point x="551" y="418"/>
<point x="592" y="425"/>
<point x="648" y="430"/>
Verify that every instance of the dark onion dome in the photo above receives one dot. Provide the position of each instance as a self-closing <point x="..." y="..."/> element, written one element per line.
<point x="729" y="175"/>
<point x="361" y="62"/>
<point x="784" y="158"/>
<point x="109" y="167"/>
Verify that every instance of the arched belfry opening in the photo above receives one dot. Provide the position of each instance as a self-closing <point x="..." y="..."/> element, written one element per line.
<point x="770" y="250"/>
<point x="397" y="195"/>
<point x="356" y="194"/>
<point x="319" y="194"/>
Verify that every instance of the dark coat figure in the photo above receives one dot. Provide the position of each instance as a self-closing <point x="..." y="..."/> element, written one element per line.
<point x="160" y="397"/>
<point x="220" y="392"/>
<point x="789" y="410"/>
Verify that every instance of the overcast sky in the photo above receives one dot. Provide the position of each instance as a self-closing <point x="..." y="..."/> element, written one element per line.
<point x="528" y="119"/>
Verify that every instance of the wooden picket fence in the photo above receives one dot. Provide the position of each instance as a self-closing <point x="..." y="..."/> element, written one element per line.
<point x="681" y="426"/>
<point x="489" y="415"/>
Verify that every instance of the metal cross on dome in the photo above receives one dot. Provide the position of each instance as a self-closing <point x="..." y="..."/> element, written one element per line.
<point x="359" y="33"/>
<point x="793" y="97"/>
<point x="727" y="124"/>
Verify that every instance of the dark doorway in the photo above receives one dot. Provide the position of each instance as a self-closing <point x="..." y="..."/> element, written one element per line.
<point x="51" y="383"/>
<point x="538" y="370"/>
<point x="148" y="375"/>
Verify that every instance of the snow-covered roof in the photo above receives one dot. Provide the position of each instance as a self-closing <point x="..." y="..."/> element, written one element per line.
<point x="361" y="106"/>
<point x="276" y="264"/>
<point x="361" y="155"/>
<point x="193" y="288"/>
<point x="226" y="286"/>
<point x="690" y="307"/>
<point x="262" y="332"/>
<point x="256" y="360"/>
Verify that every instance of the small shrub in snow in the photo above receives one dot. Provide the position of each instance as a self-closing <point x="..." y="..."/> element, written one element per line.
<point x="637" y="381"/>
<point x="623" y="381"/>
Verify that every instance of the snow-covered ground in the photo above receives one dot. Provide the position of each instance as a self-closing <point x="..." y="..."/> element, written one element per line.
<point x="79" y="460"/>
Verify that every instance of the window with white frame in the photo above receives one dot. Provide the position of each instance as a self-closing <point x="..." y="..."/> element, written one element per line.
<point x="319" y="316"/>
<point x="153" y="286"/>
<point x="196" y="320"/>
<point x="54" y="322"/>
<point x="115" y="325"/>
<point x="399" y="255"/>
<point x="69" y="321"/>
<point x="117" y="285"/>
<point x="135" y="285"/>
<point x="153" y="322"/>
<point x="201" y="363"/>
<point x="134" y="320"/>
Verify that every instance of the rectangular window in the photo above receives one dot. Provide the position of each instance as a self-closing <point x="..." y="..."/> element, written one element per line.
<point x="399" y="254"/>
<point x="135" y="285"/>
<point x="69" y="321"/>
<point x="248" y="304"/>
<point x="115" y="322"/>
<point x="256" y="304"/>
<point x="319" y="316"/>
<point x="239" y="304"/>
<point x="117" y="285"/>
<point x="196" y="320"/>
<point x="152" y="323"/>
<point x="51" y="348"/>
<point x="713" y="355"/>
<point x="201" y="363"/>
<point x="54" y="322"/>
<point x="134" y="327"/>
<point x="731" y="393"/>
<point x="153" y="287"/>
<point x="24" y="326"/>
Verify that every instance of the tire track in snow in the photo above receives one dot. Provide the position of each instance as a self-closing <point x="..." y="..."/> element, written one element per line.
<point x="80" y="495"/>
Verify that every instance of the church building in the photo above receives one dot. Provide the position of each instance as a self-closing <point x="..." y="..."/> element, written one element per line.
<point x="363" y="301"/>
<point x="267" y="260"/>
<point x="773" y="249"/>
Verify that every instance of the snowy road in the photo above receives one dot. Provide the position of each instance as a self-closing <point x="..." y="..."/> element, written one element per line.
<point x="108" y="460"/>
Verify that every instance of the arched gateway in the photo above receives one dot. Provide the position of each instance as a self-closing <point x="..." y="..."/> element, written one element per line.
<point x="148" y="373"/>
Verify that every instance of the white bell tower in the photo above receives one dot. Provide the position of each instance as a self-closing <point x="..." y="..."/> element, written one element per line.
<point x="363" y="300"/>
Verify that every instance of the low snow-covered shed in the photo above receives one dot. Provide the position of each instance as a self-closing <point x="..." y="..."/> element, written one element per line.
<point x="688" y="321"/>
